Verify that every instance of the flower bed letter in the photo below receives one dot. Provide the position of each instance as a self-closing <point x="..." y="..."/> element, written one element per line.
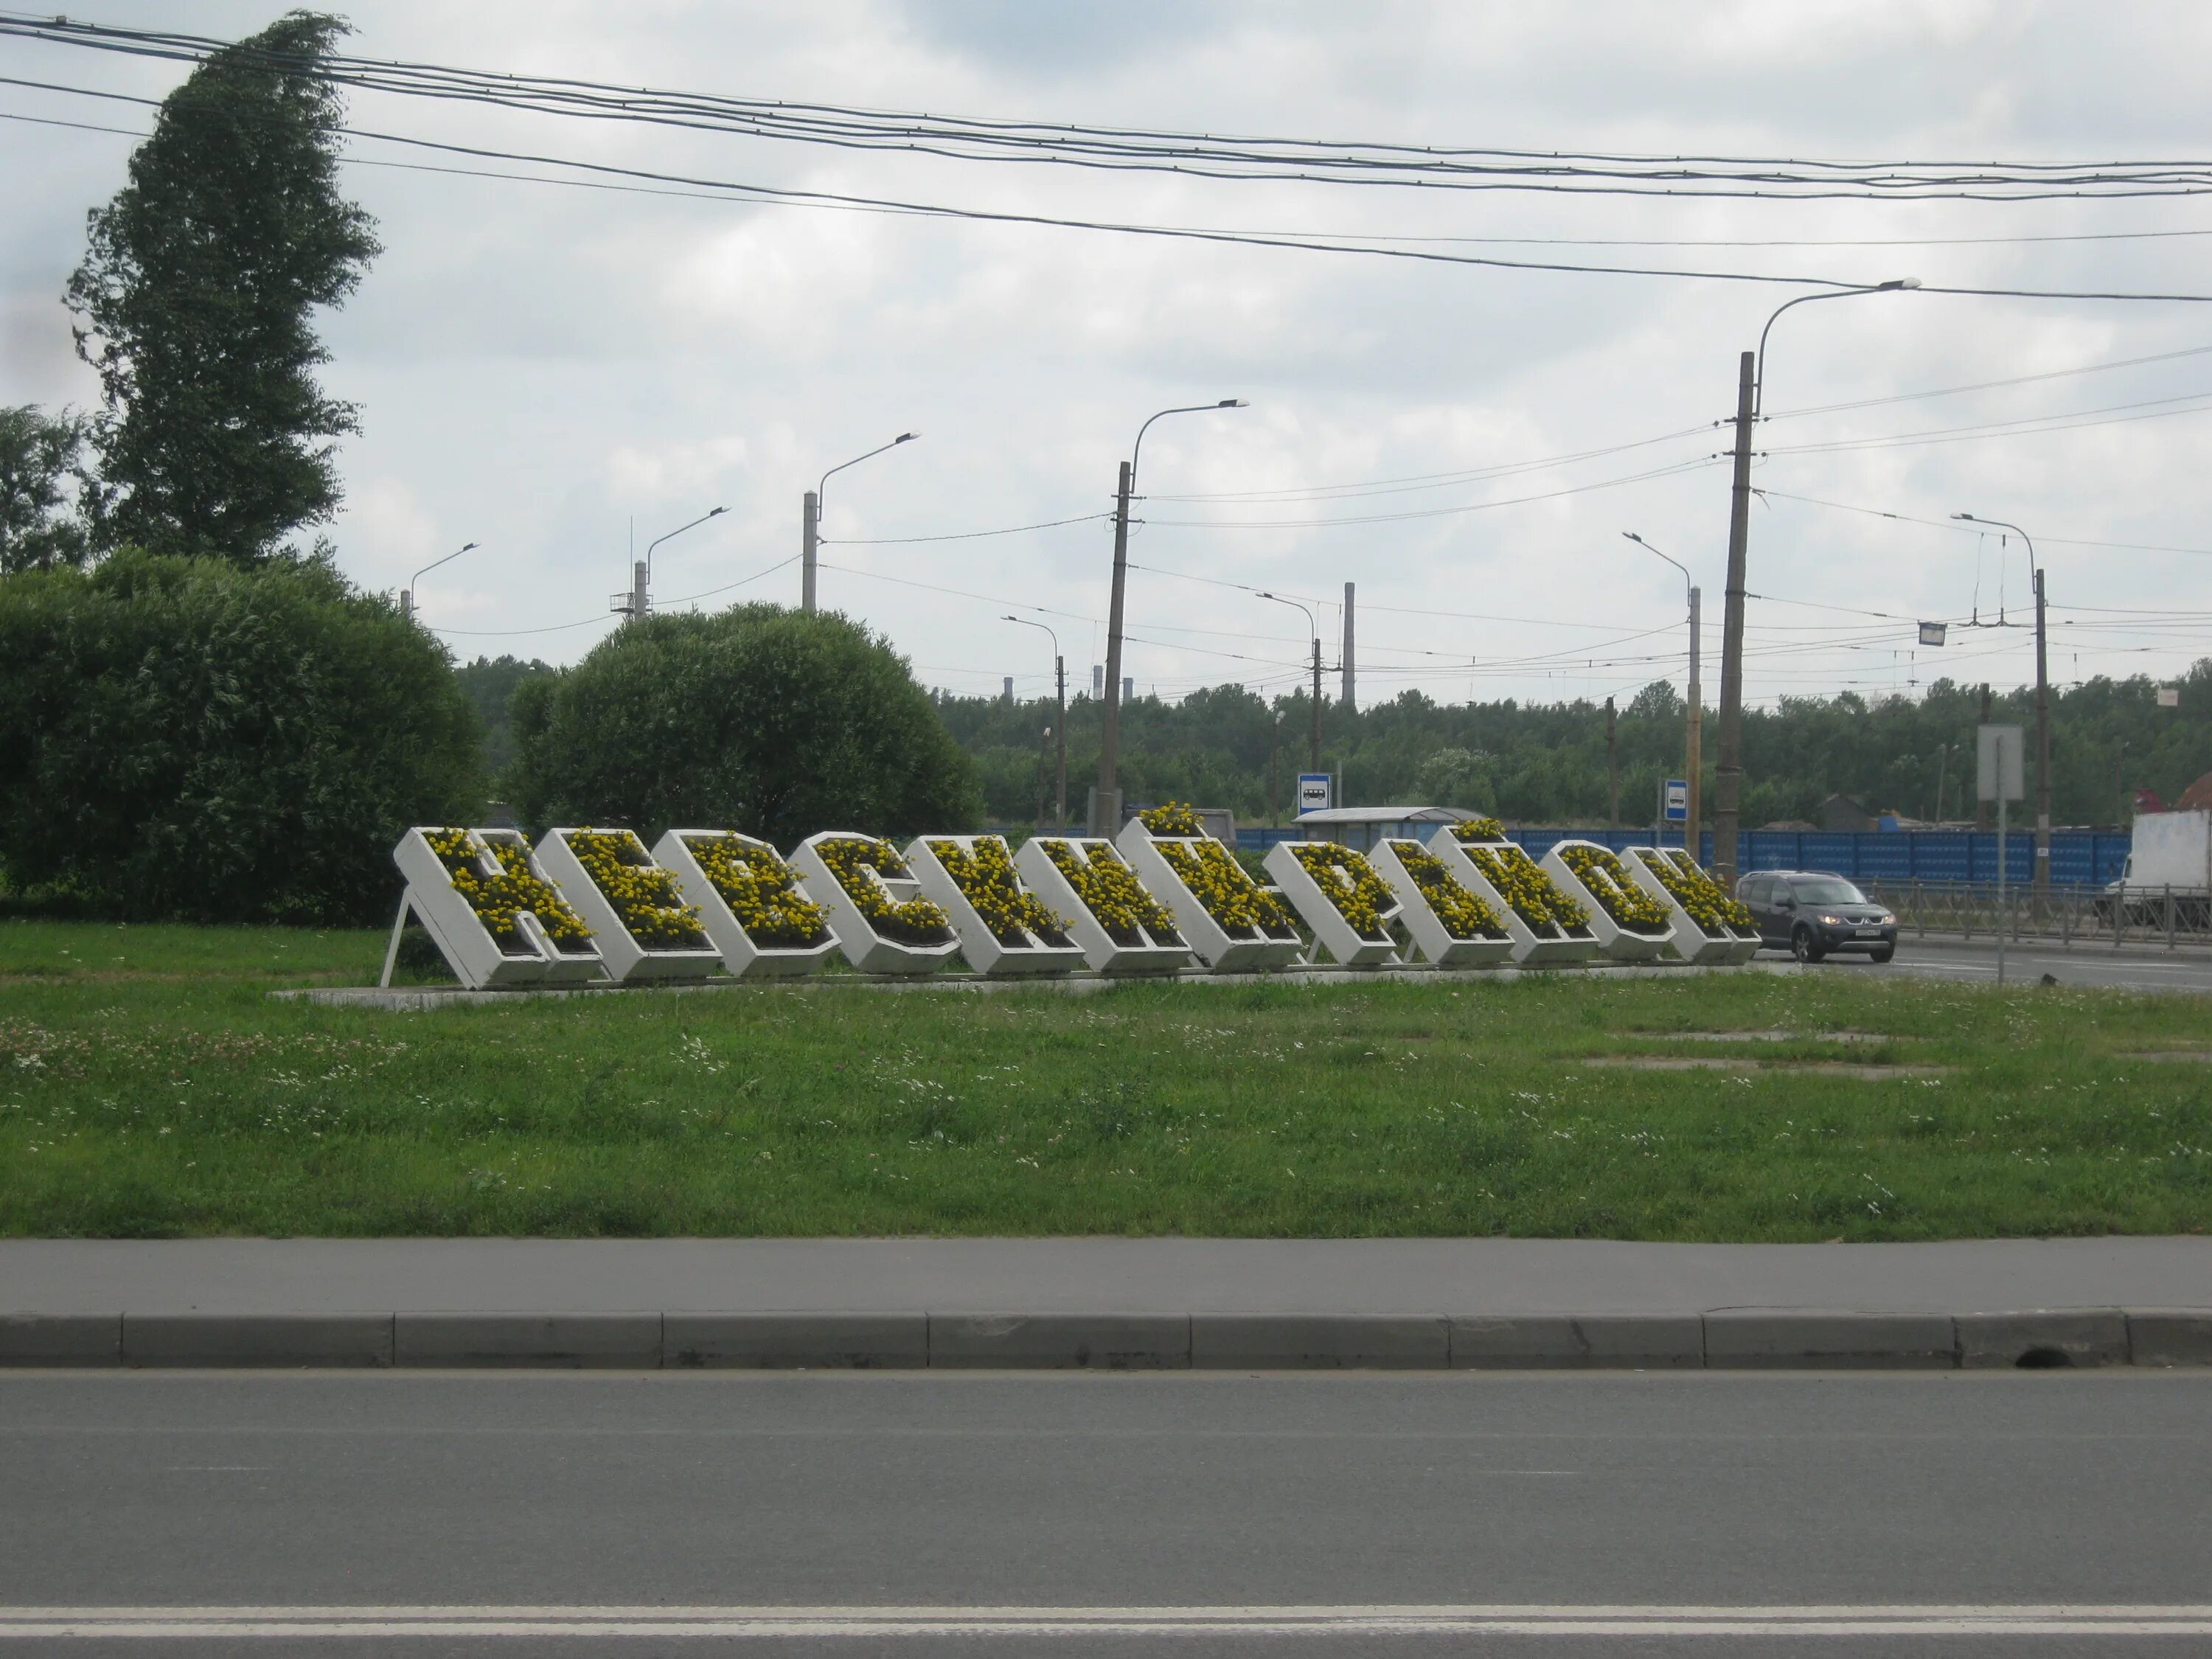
<point x="1004" y="927"/>
<point x="882" y="924"/>
<point x="1708" y="925"/>
<point x="1543" y="923"/>
<point x="1232" y="923"/>
<point x="1347" y="904"/>
<point x="749" y="902"/>
<point x="634" y="906"/>
<point x="1123" y="928"/>
<point x="1453" y="926"/>
<point x="1630" y="925"/>
<point x="487" y="905"/>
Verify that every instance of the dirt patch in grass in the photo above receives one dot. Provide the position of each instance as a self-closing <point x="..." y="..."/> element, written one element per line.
<point x="1723" y="1063"/>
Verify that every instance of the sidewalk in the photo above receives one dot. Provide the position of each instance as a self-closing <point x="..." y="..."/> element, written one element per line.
<point x="1245" y="1302"/>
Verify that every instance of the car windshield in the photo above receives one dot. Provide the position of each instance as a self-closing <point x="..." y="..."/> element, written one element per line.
<point x="1827" y="890"/>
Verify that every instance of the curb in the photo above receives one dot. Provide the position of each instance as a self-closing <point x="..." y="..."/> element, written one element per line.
<point x="1724" y="1340"/>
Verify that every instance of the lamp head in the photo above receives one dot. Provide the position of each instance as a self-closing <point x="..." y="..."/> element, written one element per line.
<point x="465" y="546"/>
<point x="1265" y="596"/>
<point x="1232" y="403"/>
<point x="906" y="437"/>
<point x="718" y="512"/>
<point x="1010" y="617"/>
<point x="1965" y="515"/>
<point x="1897" y="283"/>
<point x="1631" y="535"/>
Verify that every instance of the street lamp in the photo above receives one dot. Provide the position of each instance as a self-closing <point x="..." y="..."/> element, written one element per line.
<point x="407" y="594"/>
<point x="1694" y="733"/>
<point x="1314" y="762"/>
<point x="2042" y="710"/>
<point x="1106" y="810"/>
<point x="810" y="521"/>
<point x="638" y="601"/>
<point x="1750" y="389"/>
<point x="1059" y="723"/>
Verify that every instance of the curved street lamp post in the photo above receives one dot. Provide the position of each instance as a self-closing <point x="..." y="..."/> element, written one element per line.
<point x="1059" y="722"/>
<point x="1728" y="769"/>
<point x="2042" y="878"/>
<point x="1106" y="799"/>
<point x="1694" y="731"/>
<point x="407" y="594"/>
<point x="809" y="518"/>
<point x="1313" y="762"/>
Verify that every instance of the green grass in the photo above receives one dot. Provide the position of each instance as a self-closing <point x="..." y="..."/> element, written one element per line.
<point x="148" y="1087"/>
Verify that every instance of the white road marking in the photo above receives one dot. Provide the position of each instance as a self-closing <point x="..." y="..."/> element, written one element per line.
<point x="546" y="1623"/>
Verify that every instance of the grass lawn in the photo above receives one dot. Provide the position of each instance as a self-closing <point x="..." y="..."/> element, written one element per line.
<point x="148" y="1087"/>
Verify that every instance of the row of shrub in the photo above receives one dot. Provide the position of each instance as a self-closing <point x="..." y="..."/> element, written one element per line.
<point x="188" y="740"/>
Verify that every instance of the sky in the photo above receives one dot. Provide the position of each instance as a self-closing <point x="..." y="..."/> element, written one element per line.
<point x="560" y="374"/>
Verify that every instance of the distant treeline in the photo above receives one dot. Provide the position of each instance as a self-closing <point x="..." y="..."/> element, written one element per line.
<point x="1546" y="763"/>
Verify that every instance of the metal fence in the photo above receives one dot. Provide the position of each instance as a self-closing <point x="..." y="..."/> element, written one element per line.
<point x="2071" y="915"/>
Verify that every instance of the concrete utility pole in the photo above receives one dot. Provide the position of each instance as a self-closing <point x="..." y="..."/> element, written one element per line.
<point x="1727" y="771"/>
<point x="1612" y="770"/>
<point x="1349" y="702"/>
<point x="1981" y="807"/>
<point x="2042" y="876"/>
<point x="636" y="604"/>
<point x="1106" y="805"/>
<point x="810" y="533"/>
<point x="810" y="519"/>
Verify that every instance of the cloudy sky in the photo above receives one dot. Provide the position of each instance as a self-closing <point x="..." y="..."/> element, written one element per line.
<point x="548" y="369"/>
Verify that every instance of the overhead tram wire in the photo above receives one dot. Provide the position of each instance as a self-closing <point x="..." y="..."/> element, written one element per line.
<point x="1972" y="530"/>
<point x="737" y="190"/>
<point x="1119" y="147"/>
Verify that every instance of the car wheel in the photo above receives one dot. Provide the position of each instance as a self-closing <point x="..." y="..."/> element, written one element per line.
<point x="1804" y="946"/>
<point x="1882" y="952"/>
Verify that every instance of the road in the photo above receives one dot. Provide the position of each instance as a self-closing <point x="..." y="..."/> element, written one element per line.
<point x="542" y="1494"/>
<point x="1955" y="958"/>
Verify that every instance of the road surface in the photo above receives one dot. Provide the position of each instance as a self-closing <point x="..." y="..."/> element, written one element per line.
<point x="1821" y="1501"/>
<point x="1976" y="959"/>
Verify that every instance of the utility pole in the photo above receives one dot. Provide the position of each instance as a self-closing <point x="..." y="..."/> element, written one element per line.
<point x="1694" y="738"/>
<point x="1314" y="764"/>
<point x="1106" y="812"/>
<point x="2042" y="746"/>
<point x="810" y="532"/>
<point x="1274" y="767"/>
<point x="1612" y="771"/>
<point x="1728" y="772"/>
<point x="1349" y="702"/>
<point x="640" y="599"/>
<point x="1060" y="739"/>
<point x="1981" y="807"/>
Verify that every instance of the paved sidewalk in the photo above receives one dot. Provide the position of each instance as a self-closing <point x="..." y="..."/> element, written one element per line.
<point x="1385" y="1276"/>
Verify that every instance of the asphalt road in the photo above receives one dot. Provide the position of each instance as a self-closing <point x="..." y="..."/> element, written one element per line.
<point x="1819" y="1500"/>
<point x="1954" y="958"/>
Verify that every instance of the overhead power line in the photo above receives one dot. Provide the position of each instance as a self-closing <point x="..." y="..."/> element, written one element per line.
<point x="1363" y="162"/>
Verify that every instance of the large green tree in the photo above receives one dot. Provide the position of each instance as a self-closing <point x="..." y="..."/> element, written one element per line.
<point x="184" y="738"/>
<point x="196" y="298"/>
<point x="758" y="719"/>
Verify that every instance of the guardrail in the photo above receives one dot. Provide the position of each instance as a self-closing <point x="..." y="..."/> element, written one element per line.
<point x="2071" y="915"/>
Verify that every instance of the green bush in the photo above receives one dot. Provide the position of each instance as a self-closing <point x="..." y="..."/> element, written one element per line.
<point x="189" y="740"/>
<point x="757" y="719"/>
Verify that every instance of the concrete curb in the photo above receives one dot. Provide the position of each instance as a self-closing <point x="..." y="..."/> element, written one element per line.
<point x="1724" y="1340"/>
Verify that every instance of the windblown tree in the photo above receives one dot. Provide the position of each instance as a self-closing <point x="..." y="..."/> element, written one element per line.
<point x="196" y="298"/>
<point x="41" y="468"/>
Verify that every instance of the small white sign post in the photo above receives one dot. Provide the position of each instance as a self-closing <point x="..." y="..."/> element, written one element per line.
<point x="1999" y="774"/>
